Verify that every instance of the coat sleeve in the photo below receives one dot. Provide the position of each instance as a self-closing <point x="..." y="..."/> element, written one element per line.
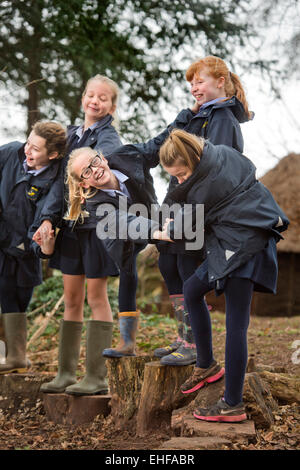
<point x="150" y="149"/>
<point x="108" y="141"/>
<point x="53" y="204"/>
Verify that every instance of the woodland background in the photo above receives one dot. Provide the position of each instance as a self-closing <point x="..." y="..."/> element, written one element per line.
<point x="48" y="50"/>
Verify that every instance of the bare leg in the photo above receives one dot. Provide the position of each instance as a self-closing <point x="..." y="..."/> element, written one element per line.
<point x="98" y="299"/>
<point x="74" y="294"/>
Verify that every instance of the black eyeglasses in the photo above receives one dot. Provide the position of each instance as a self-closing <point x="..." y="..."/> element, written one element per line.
<point x="87" y="172"/>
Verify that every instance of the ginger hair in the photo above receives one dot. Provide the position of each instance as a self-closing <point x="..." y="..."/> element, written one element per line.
<point x="217" y="68"/>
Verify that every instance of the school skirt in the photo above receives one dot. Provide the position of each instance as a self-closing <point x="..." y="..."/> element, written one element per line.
<point x="261" y="269"/>
<point x="80" y="252"/>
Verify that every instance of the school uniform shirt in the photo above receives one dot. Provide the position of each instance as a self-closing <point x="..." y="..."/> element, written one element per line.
<point x="23" y="196"/>
<point x="240" y="213"/>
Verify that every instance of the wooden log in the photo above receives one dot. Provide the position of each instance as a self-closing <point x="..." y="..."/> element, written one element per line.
<point x="160" y="395"/>
<point x="62" y="408"/>
<point x="125" y="377"/>
<point x="285" y="388"/>
<point x="259" y="401"/>
<point x="20" y="393"/>
<point x="193" y="443"/>
<point x="235" y="432"/>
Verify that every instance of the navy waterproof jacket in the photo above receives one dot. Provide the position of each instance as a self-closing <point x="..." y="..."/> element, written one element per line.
<point x="26" y="200"/>
<point x="240" y="213"/>
<point x="219" y="123"/>
<point x="122" y="250"/>
<point x="102" y="137"/>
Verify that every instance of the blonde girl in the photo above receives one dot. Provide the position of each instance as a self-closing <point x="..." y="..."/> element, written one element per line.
<point x="82" y="258"/>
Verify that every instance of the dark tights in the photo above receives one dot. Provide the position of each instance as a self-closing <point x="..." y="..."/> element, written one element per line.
<point x="127" y="290"/>
<point x="238" y="295"/>
<point x="13" y="298"/>
<point x="176" y="269"/>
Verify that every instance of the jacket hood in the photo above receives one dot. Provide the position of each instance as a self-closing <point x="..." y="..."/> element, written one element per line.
<point x="236" y="108"/>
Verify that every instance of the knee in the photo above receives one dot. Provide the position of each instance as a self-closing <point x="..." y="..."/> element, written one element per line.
<point x="193" y="290"/>
<point x="98" y="300"/>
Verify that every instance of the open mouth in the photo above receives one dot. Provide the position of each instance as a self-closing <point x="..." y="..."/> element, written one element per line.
<point x="99" y="175"/>
<point x="29" y="160"/>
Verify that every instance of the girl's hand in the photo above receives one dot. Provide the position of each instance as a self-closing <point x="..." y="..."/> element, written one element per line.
<point x="196" y="107"/>
<point x="161" y="235"/>
<point x="46" y="225"/>
<point x="165" y="226"/>
<point x="47" y="241"/>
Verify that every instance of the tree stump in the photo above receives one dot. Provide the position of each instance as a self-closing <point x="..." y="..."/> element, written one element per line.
<point x="125" y="377"/>
<point x="20" y="393"/>
<point x="160" y="395"/>
<point x="62" y="408"/>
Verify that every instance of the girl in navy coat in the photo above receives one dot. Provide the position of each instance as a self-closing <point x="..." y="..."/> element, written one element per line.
<point x="82" y="258"/>
<point x="111" y="184"/>
<point x="242" y="224"/>
<point x="30" y="183"/>
<point x="220" y="108"/>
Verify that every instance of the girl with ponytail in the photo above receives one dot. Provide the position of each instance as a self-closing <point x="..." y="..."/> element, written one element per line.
<point x="220" y="107"/>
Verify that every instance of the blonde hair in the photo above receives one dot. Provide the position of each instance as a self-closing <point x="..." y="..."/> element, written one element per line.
<point x="114" y="88"/>
<point x="181" y="148"/>
<point x="77" y="193"/>
<point x="217" y="68"/>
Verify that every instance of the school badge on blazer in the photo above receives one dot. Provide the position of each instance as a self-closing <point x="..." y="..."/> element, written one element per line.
<point x="33" y="193"/>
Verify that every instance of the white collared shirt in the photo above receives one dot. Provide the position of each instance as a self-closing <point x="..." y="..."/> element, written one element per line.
<point x="123" y="191"/>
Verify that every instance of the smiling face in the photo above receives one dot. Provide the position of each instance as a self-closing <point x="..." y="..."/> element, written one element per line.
<point x="36" y="152"/>
<point x="97" y="101"/>
<point x="101" y="177"/>
<point x="205" y="88"/>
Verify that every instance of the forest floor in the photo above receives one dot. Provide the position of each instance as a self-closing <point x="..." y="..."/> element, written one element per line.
<point x="272" y="342"/>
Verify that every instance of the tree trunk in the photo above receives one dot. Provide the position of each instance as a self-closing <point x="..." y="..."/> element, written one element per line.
<point x="160" y="395"/>
<point x="125" y="376"/>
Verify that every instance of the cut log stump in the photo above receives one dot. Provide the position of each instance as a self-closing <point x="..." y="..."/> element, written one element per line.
<point x="125" y="377"/>
<point x="234" y="432"/>
<point x="20" y="393"/>
<point x="160" y="395"/>
<point x="62" y="408"/>
<point x="194" y="443"/>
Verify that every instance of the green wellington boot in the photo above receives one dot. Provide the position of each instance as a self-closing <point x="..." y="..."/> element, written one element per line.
<point x="128" y="324"/>
<point x="15" y="331"/>
<point x="69" y="349"/>
<point x="98" y="337"/>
